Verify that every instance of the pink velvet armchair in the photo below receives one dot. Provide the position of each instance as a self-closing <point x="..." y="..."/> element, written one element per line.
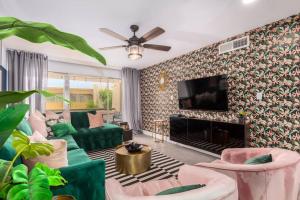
<point x="277" y="180"/>
<point x="218" y="187"/>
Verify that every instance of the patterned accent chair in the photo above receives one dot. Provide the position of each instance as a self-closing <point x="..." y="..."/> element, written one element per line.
<point x="279" y="179"/>
<point x="218" y="187"/>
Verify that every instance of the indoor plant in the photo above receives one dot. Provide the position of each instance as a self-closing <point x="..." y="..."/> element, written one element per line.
<point x="37" y="32"/>
<point x="15" y="182"/>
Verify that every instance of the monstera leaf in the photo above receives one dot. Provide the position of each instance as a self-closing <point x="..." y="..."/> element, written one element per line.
<point x="41" y="32"/>
<point x="18" y="96"/>
<point x="33" y="187"/>
<point x="9" y="120"/>
<point x="4" y="165"/>
<point x="30" y="150"/>
<point x="4" y="187"/>
<point x="54" y="175"/>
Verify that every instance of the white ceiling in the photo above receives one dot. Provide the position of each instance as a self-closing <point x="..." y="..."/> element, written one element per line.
<point x="189" y="24"/>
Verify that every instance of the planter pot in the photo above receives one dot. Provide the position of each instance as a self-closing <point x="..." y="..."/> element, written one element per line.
<point x="63" y="197"/>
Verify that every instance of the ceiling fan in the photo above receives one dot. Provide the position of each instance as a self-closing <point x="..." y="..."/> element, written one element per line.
<point x="135" y="45"/>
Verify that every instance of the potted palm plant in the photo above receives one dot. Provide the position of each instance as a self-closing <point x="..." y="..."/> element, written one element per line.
<point x="17" y="182"/>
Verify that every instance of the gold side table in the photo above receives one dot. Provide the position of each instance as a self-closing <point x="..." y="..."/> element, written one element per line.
<point x="132" y="163"/>
<point x="160" y="128"/>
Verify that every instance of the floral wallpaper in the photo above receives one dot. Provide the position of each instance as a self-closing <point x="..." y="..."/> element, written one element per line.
<point x="271" y="64"/>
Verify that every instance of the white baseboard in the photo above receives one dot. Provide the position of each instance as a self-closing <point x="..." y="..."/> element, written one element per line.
<point x="182" y="145"/>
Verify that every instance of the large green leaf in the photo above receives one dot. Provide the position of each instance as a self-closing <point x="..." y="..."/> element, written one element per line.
<point x="54" y="175"/>
<point x="4" y="190"/>
<point x="18" y="96"/>
<point x="9" y="120"/>
<point x="4" y="165"/>
<point x="30" y="150"/>
<point x="20" y="174"/>
<point x="34" y="187"/>
<point x="41" y="32"/>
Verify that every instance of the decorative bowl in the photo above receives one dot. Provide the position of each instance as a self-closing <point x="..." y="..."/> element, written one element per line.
<point x="133" y="147"/>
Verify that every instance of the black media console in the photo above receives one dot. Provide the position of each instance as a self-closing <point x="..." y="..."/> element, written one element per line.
<point x="212" y="136"/>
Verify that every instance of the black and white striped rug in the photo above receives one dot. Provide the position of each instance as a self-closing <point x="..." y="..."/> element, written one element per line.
<point x="162" y="167"/>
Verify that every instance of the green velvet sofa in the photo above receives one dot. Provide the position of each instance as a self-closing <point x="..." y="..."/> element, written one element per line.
<point x="90" y="139"/>
<point x="86" y="177"/>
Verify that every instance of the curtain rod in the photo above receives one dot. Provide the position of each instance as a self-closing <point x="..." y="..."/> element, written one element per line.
<point x="31" y="52"/>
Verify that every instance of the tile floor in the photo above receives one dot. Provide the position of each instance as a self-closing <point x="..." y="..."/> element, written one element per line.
<point x="180" y="153"/>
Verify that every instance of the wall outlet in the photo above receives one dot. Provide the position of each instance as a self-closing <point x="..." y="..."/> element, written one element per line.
<point x="259" y="96"/>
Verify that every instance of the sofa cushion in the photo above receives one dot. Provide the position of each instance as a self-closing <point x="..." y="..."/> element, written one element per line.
<point x="71" y="143"/>
<point x="25" y="127"/>
<point x="62" y="129"/>
<point x="7" y="152"/>
<point x="77" y="156"/>
<point x="80" y="119"/>
<point x="107" y="136"/>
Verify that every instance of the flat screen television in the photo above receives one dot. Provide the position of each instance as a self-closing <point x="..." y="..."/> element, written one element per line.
<point x="208" y="93"/>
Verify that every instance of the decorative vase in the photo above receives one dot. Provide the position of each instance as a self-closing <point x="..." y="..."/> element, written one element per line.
<point x="63" y="197"/>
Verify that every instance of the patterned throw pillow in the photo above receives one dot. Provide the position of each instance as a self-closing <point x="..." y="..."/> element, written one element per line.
<point x="53" y="118"/>
<point x="95" y="120"/>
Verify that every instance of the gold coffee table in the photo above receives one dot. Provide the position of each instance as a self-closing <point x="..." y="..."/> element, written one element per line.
<point x="132" y="163"/>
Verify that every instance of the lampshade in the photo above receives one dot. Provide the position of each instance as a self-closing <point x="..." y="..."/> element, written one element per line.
<point x="135" y="52"/>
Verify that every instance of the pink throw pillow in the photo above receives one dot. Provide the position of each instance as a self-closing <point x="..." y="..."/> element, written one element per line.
<point x="95" y="120"/>
<point x="38" y="124"/>
<point x="55" y="160"/>
<point x="39" y="115"/>
<point x="37" y="137"/>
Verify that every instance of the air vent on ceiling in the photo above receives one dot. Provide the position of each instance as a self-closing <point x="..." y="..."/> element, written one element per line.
<point x="234" y="45"/>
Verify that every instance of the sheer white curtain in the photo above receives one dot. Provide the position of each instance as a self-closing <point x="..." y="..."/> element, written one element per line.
<point x="28" y="71"/>
<point x="131" y="101"/>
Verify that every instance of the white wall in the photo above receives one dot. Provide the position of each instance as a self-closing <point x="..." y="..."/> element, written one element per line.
<point x="72" y="68"/>
<point x="80" y="69"/>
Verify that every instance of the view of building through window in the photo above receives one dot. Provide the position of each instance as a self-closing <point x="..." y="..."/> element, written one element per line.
<point x="84" y="92"/>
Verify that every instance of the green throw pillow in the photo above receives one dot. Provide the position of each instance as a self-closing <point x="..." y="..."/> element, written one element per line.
<point x="180" y="189"/>
<point x="25" y="127"/>
<point x="259" y="160"/>
<point x="62" y="129"/>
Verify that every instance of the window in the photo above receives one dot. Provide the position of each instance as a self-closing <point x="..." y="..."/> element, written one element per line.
<point x="55" y="86"/>
<point x="85" y="92"/>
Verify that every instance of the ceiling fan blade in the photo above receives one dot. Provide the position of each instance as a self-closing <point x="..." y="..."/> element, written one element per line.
<point x="151" y="34"/>
<point x="113" y="34"/>
<point x="112" y="47"/>
<point x="157" y="47"/>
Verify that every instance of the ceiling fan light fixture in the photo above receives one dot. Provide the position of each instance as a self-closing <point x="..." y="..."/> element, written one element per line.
<point x="135" y="52"/>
